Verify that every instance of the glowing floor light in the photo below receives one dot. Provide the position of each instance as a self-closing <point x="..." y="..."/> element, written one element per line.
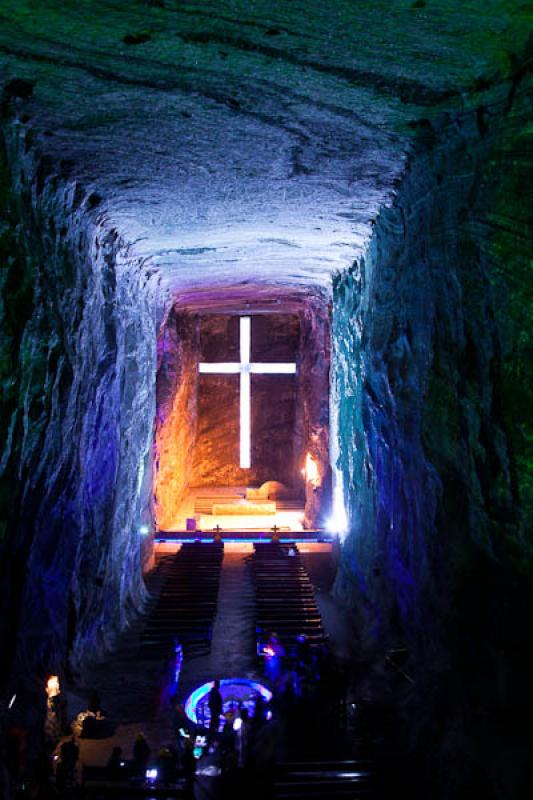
<point x="245" y="368"/>
<point x="228" y="687"/>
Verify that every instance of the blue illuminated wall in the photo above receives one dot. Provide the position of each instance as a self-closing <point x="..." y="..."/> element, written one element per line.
<point x="77" y="473"/>
<point x="427" y="328"/>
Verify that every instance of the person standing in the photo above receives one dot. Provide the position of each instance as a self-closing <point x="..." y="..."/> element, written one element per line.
<point x="243" y="738"/>
<point x="94" y="705"/>
<point x="115" y="764"/>
<point x="214" y="702"/>
<point x="67" y="773"/>
<point x="275" y="653"/>
<point x="188" y="763"/>
<point x="141" y="754"/>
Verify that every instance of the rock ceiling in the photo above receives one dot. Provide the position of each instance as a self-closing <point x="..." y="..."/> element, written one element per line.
<point x="233" y="141"/>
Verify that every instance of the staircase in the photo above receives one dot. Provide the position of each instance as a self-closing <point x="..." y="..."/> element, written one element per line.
<point x="185" y="606"/>
<point x="284" y="596"/>
<point x="325" y="780"/>
<point x="204" y="598"/>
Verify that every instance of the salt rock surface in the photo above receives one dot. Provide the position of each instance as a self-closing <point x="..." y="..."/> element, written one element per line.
<point x="157" y="154"/>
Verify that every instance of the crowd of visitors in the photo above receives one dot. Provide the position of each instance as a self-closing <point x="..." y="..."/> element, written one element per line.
<point x="309" y="687"/>
<point x="234" y="753"/>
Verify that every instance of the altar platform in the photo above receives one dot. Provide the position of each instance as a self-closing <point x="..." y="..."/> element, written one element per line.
<point x="238" y="513"/>
<point x="232" y="536"/>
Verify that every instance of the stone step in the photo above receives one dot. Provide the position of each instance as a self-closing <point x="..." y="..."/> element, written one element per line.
<point x="325" y="780"/>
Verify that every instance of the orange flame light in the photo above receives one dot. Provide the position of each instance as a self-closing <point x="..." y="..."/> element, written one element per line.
<point x="52" y="686"/>
<point x="310" y="471"/>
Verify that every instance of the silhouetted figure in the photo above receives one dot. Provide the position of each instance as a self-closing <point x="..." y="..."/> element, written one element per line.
<point x="141" y="754"/>
<point x="227" y="743"/>
<point x="260" y="709"/>
<point x="115" y="765"/>
<point x="94" y="705"/>
<point x="66" y="769"/>
<point x="214" y="702"/>
<point x="188" y="762"/>
<point x="274" y="652"/>
<point x="303" y="650"/>
<point x="243" y="738"/>
<point x="43" y="785"/>
<point x="262" y="759"/>
<point x="166" y="764"/>
<point x="70" y="752"/>
<point x="231" y="713"/>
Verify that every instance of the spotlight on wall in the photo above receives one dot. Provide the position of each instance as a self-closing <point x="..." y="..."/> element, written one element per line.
<point x="310" y="471"/>
<point x="144" y="530"/>
<point x="338" y="521"/>
<point x="52" y="686"/>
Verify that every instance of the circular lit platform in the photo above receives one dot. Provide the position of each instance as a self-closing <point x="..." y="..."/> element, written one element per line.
<point x="236" y="693"/>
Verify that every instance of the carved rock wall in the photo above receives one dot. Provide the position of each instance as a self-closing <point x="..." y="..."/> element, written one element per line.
<point x="77" y="421"/>
<point x="176" y="418"/>
<point x="197" y="430"/>
<point x="428" y="331"/>
<point x="313" y="398"/>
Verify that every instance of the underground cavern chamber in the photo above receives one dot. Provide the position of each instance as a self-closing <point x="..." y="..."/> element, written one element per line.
<point x="354" y="179"/>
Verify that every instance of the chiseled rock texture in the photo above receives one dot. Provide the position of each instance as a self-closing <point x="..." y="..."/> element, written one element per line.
<point x="176" y="414"/>
<point x="432" y="336"/>
<point x="154" y="151"/>
<point x="228" y="138"/>
<point x="78" y="358"/>
<point x="313" y="423"/>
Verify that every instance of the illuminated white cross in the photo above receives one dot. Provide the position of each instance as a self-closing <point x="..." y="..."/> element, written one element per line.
<point x="245" y="368"/>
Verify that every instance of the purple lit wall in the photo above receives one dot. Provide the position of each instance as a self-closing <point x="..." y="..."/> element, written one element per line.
<point x="83" y="426"/>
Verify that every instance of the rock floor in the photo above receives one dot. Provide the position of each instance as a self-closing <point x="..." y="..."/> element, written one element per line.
<point x="233" y="644"/>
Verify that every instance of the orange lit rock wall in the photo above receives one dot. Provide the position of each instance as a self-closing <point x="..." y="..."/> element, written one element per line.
<point x="176" y="415"/>
<point x="197" y="422"/>
<point x="312" y="423"/>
